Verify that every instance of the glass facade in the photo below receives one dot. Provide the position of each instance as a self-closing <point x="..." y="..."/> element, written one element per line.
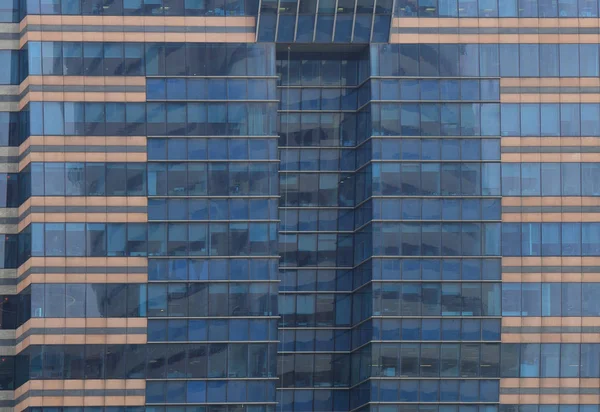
<point x="299" y="205"/>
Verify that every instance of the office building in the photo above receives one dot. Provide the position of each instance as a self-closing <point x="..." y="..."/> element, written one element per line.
<point x="300" y="205"/>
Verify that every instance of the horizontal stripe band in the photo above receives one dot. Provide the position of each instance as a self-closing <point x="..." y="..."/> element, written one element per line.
<point x="83" y="148"/>
<point x="88" y="270"/>
<point x="79" y="331"/>
<point x="82" y="392"/>
<point x="551" y="329"/>
<point x="550" y="391"/>
<point x="495" y="30"/>
<point x="551" y="269"/>
<point x="84" y="88"/>
<point x="550" y="149"/>
<point x="550" y="209"/>
<point x="131" y="29"/>
<point x="84" y="209"/>
<point x="545" y="90"/>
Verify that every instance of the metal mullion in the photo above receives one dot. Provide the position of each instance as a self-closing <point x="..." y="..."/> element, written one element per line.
<point x="258" y="15"/>
<point x="373" y="22"/>
<point x="391" y="20"/>
<point x="353" y="21"/>
<point x="296" y="26"/>
<point x="277" y="21"/>
<point x="315" y="24"/>
<point x="334" y="20"/>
